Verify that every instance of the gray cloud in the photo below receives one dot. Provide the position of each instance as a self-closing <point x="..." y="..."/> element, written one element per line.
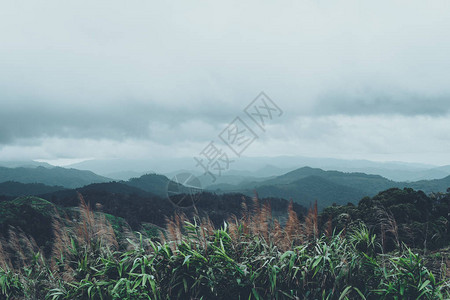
<point x="368" y="102"/>
<point x="174" y="74"/>
<point x="116" y="120"/>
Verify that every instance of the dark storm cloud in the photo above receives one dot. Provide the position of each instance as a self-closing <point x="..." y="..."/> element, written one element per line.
<point x="116" y="120"/>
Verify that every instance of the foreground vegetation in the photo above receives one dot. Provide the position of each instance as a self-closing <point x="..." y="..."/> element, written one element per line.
<point x="252" y="256"/>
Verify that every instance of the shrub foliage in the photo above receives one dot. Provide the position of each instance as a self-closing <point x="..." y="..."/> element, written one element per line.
<point x="250" y="257"/>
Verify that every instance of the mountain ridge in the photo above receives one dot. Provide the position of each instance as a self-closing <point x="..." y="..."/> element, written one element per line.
<point x="68" y="178"/>
<point x="307" y="184"/>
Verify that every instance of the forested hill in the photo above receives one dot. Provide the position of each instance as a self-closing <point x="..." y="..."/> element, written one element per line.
<point x="12" y="188"/>
<point x="68" y="178"/>
<point x="305" y="185"/>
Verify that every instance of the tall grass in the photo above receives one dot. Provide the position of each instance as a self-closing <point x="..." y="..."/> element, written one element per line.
<point x="249" y="257"/>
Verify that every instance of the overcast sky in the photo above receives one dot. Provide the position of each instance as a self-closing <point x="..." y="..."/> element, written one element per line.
<point x="121" y="79"/>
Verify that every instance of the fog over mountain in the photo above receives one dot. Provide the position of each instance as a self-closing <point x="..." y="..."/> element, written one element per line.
<point x="261" y="167"/>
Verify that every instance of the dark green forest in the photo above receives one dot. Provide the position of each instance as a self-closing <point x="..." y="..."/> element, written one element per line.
<point x="115" y="241"/>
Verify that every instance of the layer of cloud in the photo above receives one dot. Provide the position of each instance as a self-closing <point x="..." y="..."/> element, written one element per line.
<point x="131" y="77"/>
<point x="401" y="138"/>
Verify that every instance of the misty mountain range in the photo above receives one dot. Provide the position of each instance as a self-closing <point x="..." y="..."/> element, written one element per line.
<point x="303" y="185"/>
<point x="54" y="176"/>
<point x="247" y="167"/>
<point x="258" y="167"/>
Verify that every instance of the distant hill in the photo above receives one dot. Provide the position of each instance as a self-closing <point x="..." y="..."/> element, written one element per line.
<point x="153" y="183"/>
<point x="429" y="186"/>
<point x="369" y="184"/>
<point x="115" y="188"/>
<point x="269" y="166"/>
<point x="69" y="197"/>
<point x="12" y="188"/>
<point x="308" y="189"/>
<point x="69" y="178"/>
<point x="137" y="206"/>
<point x="25" y="164"/>
<point x="304" y="185"/>
<point x="124" y="175"/>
